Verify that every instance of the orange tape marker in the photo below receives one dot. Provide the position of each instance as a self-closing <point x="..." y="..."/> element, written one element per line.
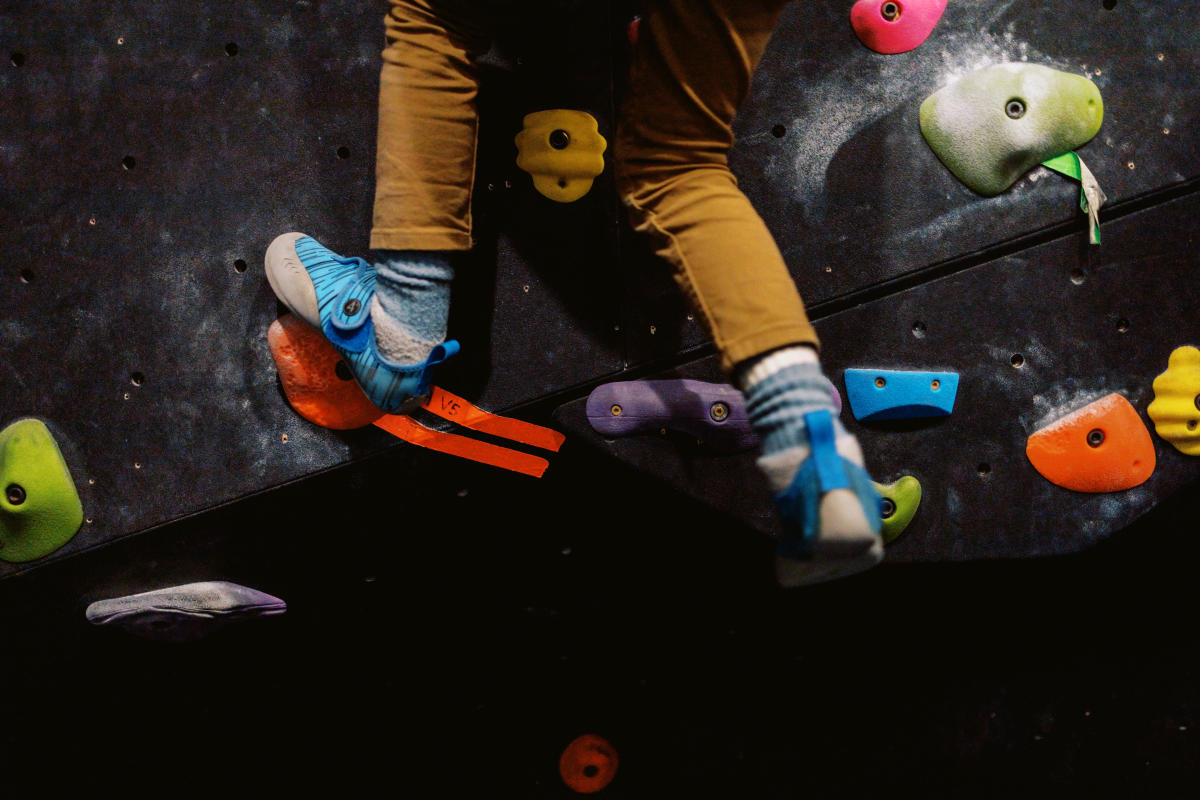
<point x="456" y="409"/>
<point x="413" y="432"/>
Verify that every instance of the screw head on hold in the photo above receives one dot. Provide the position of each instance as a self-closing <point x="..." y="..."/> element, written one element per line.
<point x="559" y="139"/>
<point x="352" y="307"/>
<point x="616" y="410"/>
<point x="890" y="11"/>
<point x="15" y="494"/>
<point x="1015" y="108"/>
<point x="718" y="412"/>
<point x="886" y="507"/>
<point x="1095" y="437"/>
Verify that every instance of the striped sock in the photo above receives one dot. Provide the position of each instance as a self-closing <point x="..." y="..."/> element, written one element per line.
<point x="781" y="388"/>
<point x="412" y="303"/>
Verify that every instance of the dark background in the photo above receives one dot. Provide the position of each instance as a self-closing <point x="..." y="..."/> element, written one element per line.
<point x="454" y="626"/>
<point x="460" y="642"/>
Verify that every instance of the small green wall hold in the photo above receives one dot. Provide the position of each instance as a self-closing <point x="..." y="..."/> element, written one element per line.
<point x="992" y="126"/>
<point x="39" y="507"/>
<point x="903" y="496"/>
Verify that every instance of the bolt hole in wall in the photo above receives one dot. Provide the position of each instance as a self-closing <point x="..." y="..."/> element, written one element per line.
<point x="343" y="152"/>
<point x="128" y="162"/>
<point x="137" y="379"/>
<point x="984" y="470"/>
<point x="778" y="131"/>
<point x="918" y="329"/>
<point x="1077" y="276"/>
<point x="1110" y="4"/>
<point x="231" y="49"/>
<point x="1122" y="325"/>
<point x="26" y="275"/>
<point x="240" y="265"/>
<point x="1017" y="360"/>
<point x="17" y="59"/>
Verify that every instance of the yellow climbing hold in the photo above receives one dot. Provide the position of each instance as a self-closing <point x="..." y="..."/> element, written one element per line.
<point x="564" y="152"/>
<point x="1176" y="407"/>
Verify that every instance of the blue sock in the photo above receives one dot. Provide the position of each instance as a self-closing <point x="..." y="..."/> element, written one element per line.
<point x="412" y="302"/>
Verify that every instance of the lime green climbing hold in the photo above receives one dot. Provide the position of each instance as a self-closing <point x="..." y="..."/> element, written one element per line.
<point x="39" y="508"/>
<point x="900" y="501"/>
<point x="992" y="126"/>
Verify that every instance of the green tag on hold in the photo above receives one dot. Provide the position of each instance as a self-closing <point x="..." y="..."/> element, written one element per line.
<point x="1091" y="197"/>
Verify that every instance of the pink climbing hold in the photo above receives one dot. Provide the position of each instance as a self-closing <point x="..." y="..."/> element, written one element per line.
<point x="895" y="26"/>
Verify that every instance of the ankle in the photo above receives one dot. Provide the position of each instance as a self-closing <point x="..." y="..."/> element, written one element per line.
<point x="754" y="370"/>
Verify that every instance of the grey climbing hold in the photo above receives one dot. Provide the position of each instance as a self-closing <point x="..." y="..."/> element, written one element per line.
<point x="184" y="613"/>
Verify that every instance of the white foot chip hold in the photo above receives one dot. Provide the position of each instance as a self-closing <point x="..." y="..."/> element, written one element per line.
<point x="184" y="613"/>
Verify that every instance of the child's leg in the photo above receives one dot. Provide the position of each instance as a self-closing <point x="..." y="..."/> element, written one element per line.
<point x="425" y="167"/>
<point x="428" y="124"/>
<point x="389" y="320"/>
<point x="691" y="72"/>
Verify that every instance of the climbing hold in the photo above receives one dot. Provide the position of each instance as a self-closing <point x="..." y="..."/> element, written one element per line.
<point x="184" y="613"/>
<point x="892" y="26"/>
<point x="40" y="509"/>
<point x="1176" y="406"/>
<point x="1102" y="447"/>
<point x="588" y="764"/>
<point x="877" y="394"/>
<point x="995" y="124"/>
<point x="564" y="152"/>
<point x="714" y="413"/>
<point x="899" y="504"/>
<point x="315" y="380"/>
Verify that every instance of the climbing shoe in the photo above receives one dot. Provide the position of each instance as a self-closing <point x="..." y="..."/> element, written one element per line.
<point x="334" y="295"/>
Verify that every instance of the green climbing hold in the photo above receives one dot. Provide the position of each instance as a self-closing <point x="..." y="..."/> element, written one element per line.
<point x="994" y="125"/>
<point x="900" y="501"/>
<point x="39" y="508"/>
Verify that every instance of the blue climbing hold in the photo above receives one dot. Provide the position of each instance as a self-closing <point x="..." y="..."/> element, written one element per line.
<point x="877" y="394"/>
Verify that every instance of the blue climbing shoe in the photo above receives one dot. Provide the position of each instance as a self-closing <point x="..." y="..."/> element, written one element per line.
<point x="803" y="556"/>
<point x="334" y="294"/>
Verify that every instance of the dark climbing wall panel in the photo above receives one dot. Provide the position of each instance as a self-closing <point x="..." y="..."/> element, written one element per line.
<point x="150" y="156"/>
<point x="1032" y="335"/>
<point x="831" y="154"/>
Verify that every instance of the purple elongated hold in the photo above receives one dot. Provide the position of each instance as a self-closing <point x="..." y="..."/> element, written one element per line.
<point x="184" y="613"/>
<point x="714" y="413"/>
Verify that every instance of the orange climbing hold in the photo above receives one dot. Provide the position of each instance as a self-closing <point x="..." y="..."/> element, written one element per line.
<point x="1102" y="447"/>
<point x="317" y="388"/>
<point x="588" y="764"/>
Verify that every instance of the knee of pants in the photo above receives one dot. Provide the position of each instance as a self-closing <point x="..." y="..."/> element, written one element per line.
<point x="649" y="183"/>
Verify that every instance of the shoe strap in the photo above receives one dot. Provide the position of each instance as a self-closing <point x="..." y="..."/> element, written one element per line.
<point x="346" y="325"/>
<point x="353" y="306"/>
<point x="823" y="441"/>
<point x="439" y="354"/>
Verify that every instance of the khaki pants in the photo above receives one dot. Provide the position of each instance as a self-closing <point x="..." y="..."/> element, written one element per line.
<point x="691" y="72"/>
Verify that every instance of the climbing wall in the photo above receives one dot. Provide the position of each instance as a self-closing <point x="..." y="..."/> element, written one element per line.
<point x="149" y="158"/>
<point x="906" y="268"/>
<point x="149" y="162"/>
